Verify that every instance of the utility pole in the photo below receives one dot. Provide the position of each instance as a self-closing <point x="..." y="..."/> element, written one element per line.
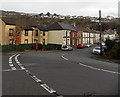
<point x="100" y="33"/>
<point x="66" y="38"/>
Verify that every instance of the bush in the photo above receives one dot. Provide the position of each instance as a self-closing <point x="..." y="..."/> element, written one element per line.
<point x="113" y="52"/>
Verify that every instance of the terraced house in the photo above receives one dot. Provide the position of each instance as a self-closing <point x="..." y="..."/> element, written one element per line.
<point x="8" y="33"/>
<point x="88" y="36"/>
<point x="62" y="34"/>
<point x="34" y="34"/>
<point x="58" y="33"/>
<point x="11" y="35"/>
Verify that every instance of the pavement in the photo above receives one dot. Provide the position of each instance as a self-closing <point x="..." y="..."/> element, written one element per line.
<point x="57" y="73"/>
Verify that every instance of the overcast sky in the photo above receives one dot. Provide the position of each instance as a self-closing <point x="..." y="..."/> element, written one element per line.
<point x="63" y="7"/>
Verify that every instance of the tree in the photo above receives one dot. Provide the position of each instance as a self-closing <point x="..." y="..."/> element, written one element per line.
<point x="48" y="14"/>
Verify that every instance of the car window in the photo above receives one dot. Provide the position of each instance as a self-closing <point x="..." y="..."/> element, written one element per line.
<point x="64" y="46"/>
<point x="97" y="48"/>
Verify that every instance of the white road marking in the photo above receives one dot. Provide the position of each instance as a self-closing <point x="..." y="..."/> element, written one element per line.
<point x="10" y="62"/>
<point x="7" y="70"/>
<point x="11" y="65"/>
<point x="13" y="68"/>
<point x="50" y="90"/>
<point x="99" y="69"/>
<point x="19" y="64"/>
<point x="64" y="58"/>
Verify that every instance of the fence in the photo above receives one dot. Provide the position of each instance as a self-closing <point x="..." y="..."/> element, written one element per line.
<point x="23" y="47"/>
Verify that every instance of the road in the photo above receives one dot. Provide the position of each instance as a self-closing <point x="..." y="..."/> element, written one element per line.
<point x="75" y="72"/>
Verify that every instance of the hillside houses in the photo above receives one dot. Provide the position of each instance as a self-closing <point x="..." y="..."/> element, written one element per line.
<point x="58" y="33"/>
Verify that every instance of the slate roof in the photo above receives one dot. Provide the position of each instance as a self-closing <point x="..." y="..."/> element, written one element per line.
<point x="61" y="26"/>
<point x="9" y="21"/>
<point x="87" y="30"/>
<point x="26" y="26"/>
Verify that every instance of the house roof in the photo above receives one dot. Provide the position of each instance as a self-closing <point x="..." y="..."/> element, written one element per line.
<point x="26" y="25"/>
<point x="9" y="21"/>
<point x="87" y="30"/>
<point x="61" y="26"/>
<point x="39" y="27"/>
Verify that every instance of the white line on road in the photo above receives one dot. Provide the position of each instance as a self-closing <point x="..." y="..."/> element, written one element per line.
<point x="50" y="90"/>
<point x="99" y="69"/>
<point x="19" y="64"/>
<point x="13" y="68"/>
<point x="7" y="70"/>
<point x="11" y="63"/>
<point x="64" y="58"/>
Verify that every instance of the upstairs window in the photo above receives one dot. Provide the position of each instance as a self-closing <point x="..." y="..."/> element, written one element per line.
<point x="36" y="32"/>
<point x="26" y="32"/>
<point x="43" y="33"/>
<point x="11" y="32"/>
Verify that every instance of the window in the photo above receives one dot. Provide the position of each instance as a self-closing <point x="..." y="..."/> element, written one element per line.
<point x="72" y="34"/>
<point x="36" y="34"/>
<point x="26" y="41"/>
<point x="26" y="32"/>
<point x="68" y="34"/>
<point x="35" y="41"/>
<point x="10" y="41"/>
<point x="11" y="32"/>
<point x="72" y="42"/>
<point x="43" y="41"/>
<point x="43" y="33"/>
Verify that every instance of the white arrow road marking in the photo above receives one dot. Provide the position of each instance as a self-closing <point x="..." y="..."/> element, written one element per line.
<point x="99" y="69"/>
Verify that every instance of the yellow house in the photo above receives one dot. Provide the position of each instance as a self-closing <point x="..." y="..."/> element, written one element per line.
<point x="88" y="36"/>
<point x="56" y="37"/>
<point x="62" y="34"/>
<point x="33" y="34"/>
<point x="7" y="31"/>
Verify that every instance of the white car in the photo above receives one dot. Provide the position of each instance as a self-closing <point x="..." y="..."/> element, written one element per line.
<point x="66" y="48"/>
<point x="87" y="45"/>
<point x="97" y="50"/>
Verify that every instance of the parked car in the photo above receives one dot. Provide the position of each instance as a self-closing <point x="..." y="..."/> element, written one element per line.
<point x="87" y="45"/>
<point x="97" y="50"/>
<point x="98" y="43"/>
<point x="80" y="46"/>
<point x="66" y="48"/>
<point x="104" y="47"/>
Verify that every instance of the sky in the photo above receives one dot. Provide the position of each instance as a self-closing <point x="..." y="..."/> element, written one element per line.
<point x="63" y="7"/>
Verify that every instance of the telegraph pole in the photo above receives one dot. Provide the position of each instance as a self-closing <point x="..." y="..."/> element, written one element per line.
<point x="100" y="33"/>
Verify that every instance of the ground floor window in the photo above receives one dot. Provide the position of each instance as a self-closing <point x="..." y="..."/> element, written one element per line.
<point x="26" y="41"/>
<point x="72" y="42"/>
<point x="10" y="41"/>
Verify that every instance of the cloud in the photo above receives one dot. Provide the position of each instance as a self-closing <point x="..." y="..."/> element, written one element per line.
<point x="66" y="8"/>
